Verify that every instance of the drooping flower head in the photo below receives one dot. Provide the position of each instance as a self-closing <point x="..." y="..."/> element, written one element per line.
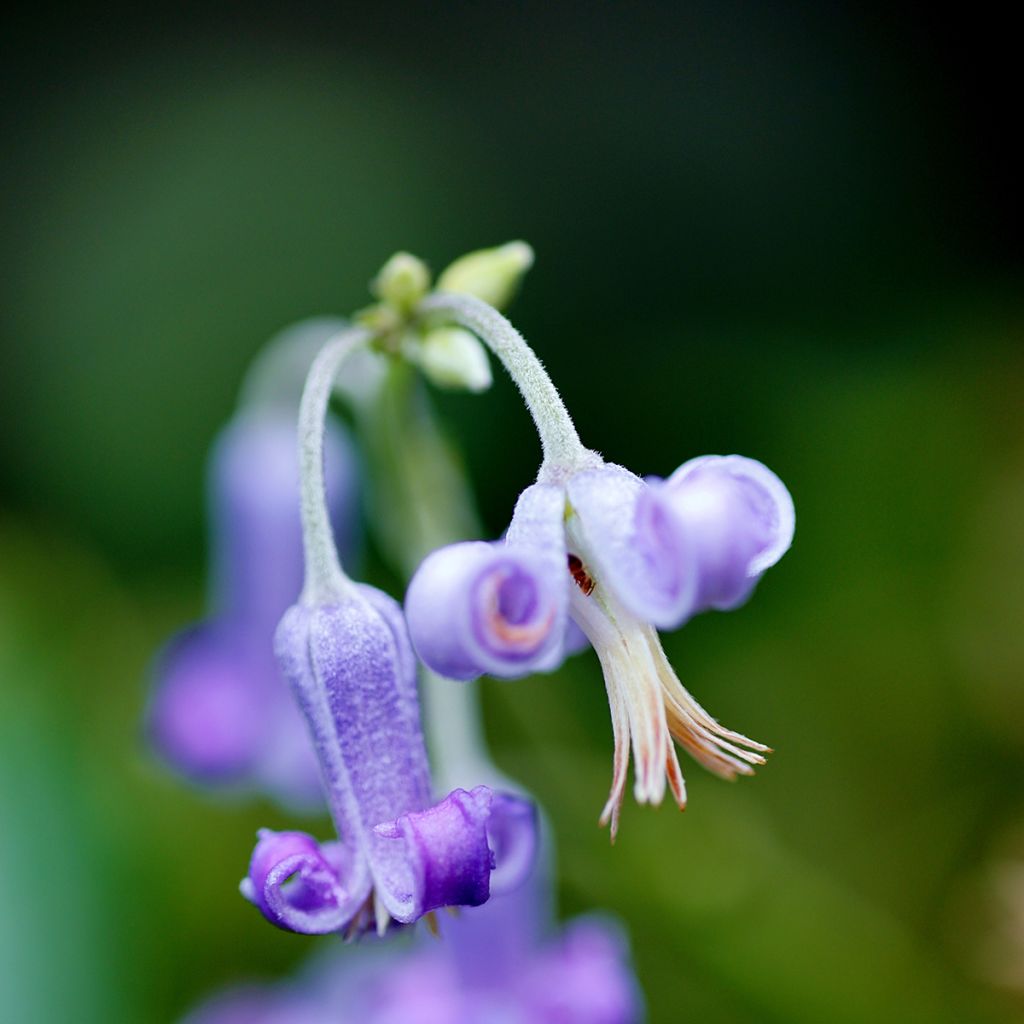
<point x="621" y="557"/>
<point x="345" y="651"/>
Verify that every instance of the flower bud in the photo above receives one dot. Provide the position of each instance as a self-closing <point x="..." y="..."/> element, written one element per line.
<point x="402" y="281"/>
<point x="490" y="274"/>
<point x="451" y="357"/>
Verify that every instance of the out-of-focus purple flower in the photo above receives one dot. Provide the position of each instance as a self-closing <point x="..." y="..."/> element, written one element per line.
<point x="399" y="854"/>
<point x="220" y="713"/>
<point x="493" y="963"/>
<point x="622" y="558"/>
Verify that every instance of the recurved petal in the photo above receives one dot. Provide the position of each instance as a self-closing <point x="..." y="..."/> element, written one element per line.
<point x="298" y="885"/>
<point x="512" y="831"/>
<point x="631" y="544"/>
<point x="538" y="523"/>
<point x="476" y="608"/>
<point x="739" y="518"/>
<point x="446" y="850"/>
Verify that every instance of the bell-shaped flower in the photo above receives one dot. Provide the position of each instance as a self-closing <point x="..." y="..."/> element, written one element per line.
<point x="622" y="557"/>
<point x="399" y="854"/>
<point x="220" y="713"/>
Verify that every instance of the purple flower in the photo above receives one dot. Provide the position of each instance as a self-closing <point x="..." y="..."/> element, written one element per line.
<point x="496" y="962"/>
<point x="622" y="557"/>
<point x="220" y="712"/>
<point x="399" y="855"/>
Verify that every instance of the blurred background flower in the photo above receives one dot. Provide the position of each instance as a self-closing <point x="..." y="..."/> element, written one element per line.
<point x="791" y="232"/>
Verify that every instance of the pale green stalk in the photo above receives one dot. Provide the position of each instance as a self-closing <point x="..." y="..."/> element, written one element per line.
<point x="326" y="581"/>
<point x="563" y="452"/>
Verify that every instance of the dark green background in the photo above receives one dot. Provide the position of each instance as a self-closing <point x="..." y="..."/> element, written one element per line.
<point x="788" y="231"/>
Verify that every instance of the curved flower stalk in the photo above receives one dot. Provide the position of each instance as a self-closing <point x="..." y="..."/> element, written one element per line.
<point x="345" y="651"/>
<point x="220" y="713"/>
<point x="622" y="557"/>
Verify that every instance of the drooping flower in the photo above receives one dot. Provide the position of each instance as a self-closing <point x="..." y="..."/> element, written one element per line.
<point x="622" y="557"/>
<point x="399" y="855"/>
<point x="220" y="712"/>
<point x="345" y="651"/>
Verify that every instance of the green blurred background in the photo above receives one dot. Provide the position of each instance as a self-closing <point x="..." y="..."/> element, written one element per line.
<point x="789" y="231"/>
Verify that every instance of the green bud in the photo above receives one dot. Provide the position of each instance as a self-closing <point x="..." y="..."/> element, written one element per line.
<point x="490" y="274"/>
<point x="451" y="357"/>
<point x="402" y="282"/>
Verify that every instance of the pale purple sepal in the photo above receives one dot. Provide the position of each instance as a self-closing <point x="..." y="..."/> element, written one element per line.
<point x="476" y="608"/>
<point x="632" y="546"/>
<point x="739" y="518"/>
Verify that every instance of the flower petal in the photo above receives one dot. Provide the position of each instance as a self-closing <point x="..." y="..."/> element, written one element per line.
<point x="631" y="545"/>
<point x="476" y="608"/>
<point x="297" y="884"/>
<point x="512" y="831"/>
<point x="446" y="849"/>
<point x="739" y="518"/>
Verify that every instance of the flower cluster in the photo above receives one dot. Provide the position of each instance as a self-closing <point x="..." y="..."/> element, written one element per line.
<point x="593" y="555"/>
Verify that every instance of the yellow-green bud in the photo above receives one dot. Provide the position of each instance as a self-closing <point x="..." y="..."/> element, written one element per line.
<point x="453" y="358"/>
<point x="402" y="282"/>
<point x="490" y="274"/>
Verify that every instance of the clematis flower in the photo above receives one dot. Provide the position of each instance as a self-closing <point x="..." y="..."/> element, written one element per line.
<point x="622" y="558"/>
<point x="220" y="713"/>
<point x="399" y="854"/>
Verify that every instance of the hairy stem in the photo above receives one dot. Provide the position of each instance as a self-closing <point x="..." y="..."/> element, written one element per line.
<point x="563" y="452"/>
<point x="325" y="579"/>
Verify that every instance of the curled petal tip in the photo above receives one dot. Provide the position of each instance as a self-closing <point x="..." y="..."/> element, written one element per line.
<point x="476" y="608"/>
<point x="512" y="832"/>
<point x="446" y="852"/>
<point x="295" y="885"/>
